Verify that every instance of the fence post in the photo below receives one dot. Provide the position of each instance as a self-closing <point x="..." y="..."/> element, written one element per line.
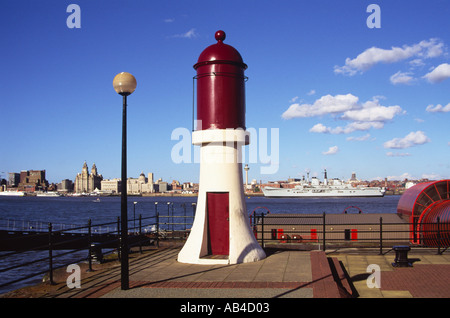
<point x="381" y="236"/>
<point x="168" y="216"/>
<point x="157" y="229"/>
<point x="438" y="235"/>
<point x="254" y="225"/>
<point x="89" y="244"/>
<point x="50" y="252"/>
<point x="140" y="233"/>
<point x="118" y="239"/>
<point x="157" y="224"/>
<point x="173" y="225"/>
<point x="323" y="232"/>
<point x="184" y="208"/>
<point x="262" y="229"/>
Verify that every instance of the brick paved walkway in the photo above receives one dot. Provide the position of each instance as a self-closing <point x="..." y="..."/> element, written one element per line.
<point x="283" y="274"/>
<point x="429" y="277"/>
<point x="422" y="281"/>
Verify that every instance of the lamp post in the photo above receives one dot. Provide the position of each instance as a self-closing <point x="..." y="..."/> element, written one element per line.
<point x="124" y="84"/>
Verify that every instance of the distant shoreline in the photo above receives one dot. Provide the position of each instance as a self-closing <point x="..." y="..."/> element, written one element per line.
<point x="188" y="195"/>
<point x="157" y="194"/>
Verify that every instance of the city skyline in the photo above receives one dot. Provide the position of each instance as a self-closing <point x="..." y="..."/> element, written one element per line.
<point x="308" y="176"/>
<point x="340" y="92"/>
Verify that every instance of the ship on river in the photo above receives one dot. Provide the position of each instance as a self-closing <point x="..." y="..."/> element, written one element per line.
<point x="327" y="188"/>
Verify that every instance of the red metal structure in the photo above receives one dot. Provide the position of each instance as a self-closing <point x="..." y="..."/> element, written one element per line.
<point x="427" y="205"/>
<point x="352" y="207"/>
<point x="220" y="86"/>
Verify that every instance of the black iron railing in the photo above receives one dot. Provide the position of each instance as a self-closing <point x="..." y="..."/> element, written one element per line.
<point x="307" y="231"/>
<point x="30" y="249"/>
<point x="55" y="246"/>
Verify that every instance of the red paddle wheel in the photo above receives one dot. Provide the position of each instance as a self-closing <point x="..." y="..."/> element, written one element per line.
<point x="427" y="205"/>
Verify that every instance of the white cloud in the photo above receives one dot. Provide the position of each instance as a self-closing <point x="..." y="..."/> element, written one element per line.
<point x="439" y="73"/>
<point x="373" y="111"/>
<point x="412" y="139"/>
<point x="188" y="35"/>
<point x="361" y="138"/>
<point x="397" y="154"/>
<point x="407" y="175"/>
<point x="403" y="176"/>
<point x="311" y="92"/>
<point x="416" y="63"/>
<point x="363" y="126"/>
<point x="362" y="117"/>
<point x="331" y="151"/>
<point x="325" y="105"/>
<point x="319" y="128"/>
<point x="432" y="176"/>
<point x="347" y="105"/>
<point x="367" y="59"/>
<point x="438" y="108"/>
<point x="169" y="20"/>
<point x="401" y="78"/>
<point x="349" y="128"/>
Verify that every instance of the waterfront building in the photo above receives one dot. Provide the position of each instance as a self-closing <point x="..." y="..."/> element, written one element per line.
<point x="353" y="179"/>
<point x="65" y="186"/>
<point x="150" y="178"/>
<point x="111" y="186"/>
<point x="141" y="184"/>
<point x="32" y="180"/>
<point x="162" y="186"/>
<point x="86" y="182"/>
<point x="188" y="186"/>
<point x="176" y="186"/>
<point x="13" y="179"/>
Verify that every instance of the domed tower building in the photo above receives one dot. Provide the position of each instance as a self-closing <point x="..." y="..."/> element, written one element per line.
<point x="86" y="182"/>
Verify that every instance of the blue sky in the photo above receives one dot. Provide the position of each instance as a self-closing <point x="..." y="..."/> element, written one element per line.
<point x="341" y="95"/>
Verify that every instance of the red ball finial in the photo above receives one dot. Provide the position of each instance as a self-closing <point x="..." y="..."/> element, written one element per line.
<point x="220" y="35"/>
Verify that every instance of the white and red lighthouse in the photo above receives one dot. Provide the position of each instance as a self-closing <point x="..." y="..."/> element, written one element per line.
<point x="221" y="232"/>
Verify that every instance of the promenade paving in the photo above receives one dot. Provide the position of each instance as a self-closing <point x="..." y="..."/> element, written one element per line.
<point x="429" y="276"/>
<point x="283" y="274"/>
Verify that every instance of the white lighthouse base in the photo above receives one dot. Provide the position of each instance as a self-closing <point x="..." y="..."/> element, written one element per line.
<point x="221" y="174"/>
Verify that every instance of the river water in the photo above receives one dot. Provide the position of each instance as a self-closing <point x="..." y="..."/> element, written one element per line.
<point x="18" y="212"/>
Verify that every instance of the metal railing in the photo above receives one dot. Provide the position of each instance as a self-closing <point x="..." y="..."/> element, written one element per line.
<point x="39" y="248"/>
<point x="173" y="222"/>
<point x="315" y="232"/>
<point x="46" y="247"/>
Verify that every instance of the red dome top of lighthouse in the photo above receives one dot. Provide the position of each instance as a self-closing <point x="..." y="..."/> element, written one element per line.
<point x="220" y="53"/>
